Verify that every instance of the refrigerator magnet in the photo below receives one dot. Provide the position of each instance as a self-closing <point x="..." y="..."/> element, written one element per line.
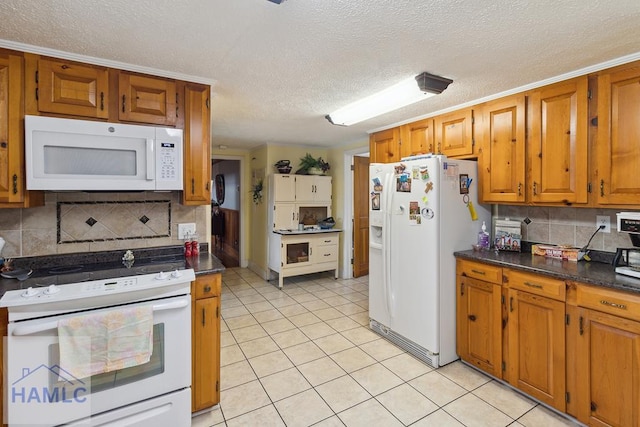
<point x="375" y="201"/>
<point x="377" y="185"/>
<point x="428" y="187"/>
<point x="403" y="183"/>
<point x="414" y="213"/>
<point x="400" y="168"/>
<point x="424" y="173"/>
<point x="427" y="213"/>
<point x="464" y="183"/>
<point x="415" y="172"/>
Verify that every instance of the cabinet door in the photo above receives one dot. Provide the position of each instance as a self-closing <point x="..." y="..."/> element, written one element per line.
<point x="285" y="216"/>
<point x="284" y="188"/>
<point x="618" y="144"/>
<point x="13" y="191"/>
<point x="197" y="148"/>
<point x="206" y="357"/>
<point x="502" y="164"/>
<point x="417" y="138"/>
<point x="454" y="133"/>
<point x="558" y="143"/>
<point x="537" y="347"/>
<point x="608" y="349"/>
<point x="147" y="99"/>
<point x="479" y="318"/>
<point x="66" y="87"/>
<point x="305" y="185"/>
<point x="384" y="146"/>
<point x="322" y="189"/>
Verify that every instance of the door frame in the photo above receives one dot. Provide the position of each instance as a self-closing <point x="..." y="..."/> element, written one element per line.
<point x="243" y="208"/>
<point x="347" y="226"/>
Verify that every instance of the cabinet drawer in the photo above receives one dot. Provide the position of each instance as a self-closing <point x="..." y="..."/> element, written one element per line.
<point x="325" y="253"/>
<point x="326" y="240"/>
<point x="537" y="284"/>
<point x="477" y="270"/>
<point x="207" y="286"/>
<point x="609" y="301"/>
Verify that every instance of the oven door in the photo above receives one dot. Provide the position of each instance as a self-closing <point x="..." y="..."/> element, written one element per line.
<point x="38" y="389"/>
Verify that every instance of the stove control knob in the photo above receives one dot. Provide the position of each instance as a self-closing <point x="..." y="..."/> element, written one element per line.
<point x="176" y="273"/>
<point x="52" y="289"/>
<point x="30" y="292"/>
<point x="161" y="276"/>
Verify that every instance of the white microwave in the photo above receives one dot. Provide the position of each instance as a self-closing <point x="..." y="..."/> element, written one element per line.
<point x="67" y="154"/>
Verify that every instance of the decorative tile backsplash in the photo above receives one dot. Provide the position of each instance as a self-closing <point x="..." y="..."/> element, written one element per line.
<point x="565" y="225"/>
<point x="104" y="221"/>
<point x="122" y="221"/>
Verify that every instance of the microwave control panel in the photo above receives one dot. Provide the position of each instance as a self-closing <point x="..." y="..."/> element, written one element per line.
<point x="169" y="159"/>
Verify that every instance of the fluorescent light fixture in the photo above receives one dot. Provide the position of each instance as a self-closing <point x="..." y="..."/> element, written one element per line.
<point x="406" y="92"/>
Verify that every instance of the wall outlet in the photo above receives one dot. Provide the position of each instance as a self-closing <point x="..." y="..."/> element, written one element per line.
<point x="185" y="230"/>
<point x="604" y="220"/>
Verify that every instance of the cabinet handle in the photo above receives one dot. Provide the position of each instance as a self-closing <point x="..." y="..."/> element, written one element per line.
<point x="535" y="188"/>
<point x="123" y="102"/>
<point x="461" y="288"/>
<point x="15" y="184"/>
<point x="511" y="304"/>
<point x="207" y="103"/>
<point x="519" y="189"/>
<point x="472" y="317"/>
<point x="594" y="407"/>
<point x="613" y="304"/>
<point x="203" y="317"/>
<point x="102" y="101"/>
<point x="482" y="273"/>
<point x="64" y="66"/>
<point x="207" y="186"/>
<point x="327" y="241"/>
<point x="581" y="323"/>
<point x="3" y="144"/>
<point x="602" y="188"/>
<point x="207" y="288"/>
<point x="193" y="186"/>
<point x="533" y="285"/>
<point x="327" y="254"/>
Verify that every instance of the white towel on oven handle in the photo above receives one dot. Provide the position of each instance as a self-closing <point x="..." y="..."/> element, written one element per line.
<point x="101" y="342"/>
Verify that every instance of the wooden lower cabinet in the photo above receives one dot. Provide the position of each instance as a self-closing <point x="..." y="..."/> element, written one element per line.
<point x="608" y="362"/>
<point x="205" y="342"/>
<point x="537" y="347"/>
<point x="479" y="333"/>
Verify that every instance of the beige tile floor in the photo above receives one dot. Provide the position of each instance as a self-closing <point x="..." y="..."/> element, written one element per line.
<point x="305" y="356"/>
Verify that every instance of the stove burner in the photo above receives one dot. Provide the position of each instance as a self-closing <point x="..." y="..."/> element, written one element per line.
<point x="66" y="269"/>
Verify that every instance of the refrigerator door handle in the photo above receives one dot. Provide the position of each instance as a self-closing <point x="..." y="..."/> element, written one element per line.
<point x="386" y="243"/>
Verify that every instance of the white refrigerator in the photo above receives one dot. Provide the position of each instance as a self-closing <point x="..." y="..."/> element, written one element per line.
<point x="421" y="210"/>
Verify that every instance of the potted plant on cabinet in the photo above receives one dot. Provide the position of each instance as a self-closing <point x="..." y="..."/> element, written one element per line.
<point x="309" y="165"/>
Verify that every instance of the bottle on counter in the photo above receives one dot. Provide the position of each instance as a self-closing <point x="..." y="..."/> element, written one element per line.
<point x="187" y="246"/>
<point x="483" y="237"/>
<point x="195" y="246"/>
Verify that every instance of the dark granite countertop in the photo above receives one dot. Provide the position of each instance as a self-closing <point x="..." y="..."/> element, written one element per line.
<point x="59" y="269"/>
<point x="593" y="273"/>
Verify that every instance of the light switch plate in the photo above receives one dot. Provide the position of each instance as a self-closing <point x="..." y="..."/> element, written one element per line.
<point x="185" y="230"/>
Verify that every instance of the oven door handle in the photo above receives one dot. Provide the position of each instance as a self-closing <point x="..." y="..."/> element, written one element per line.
<point x="42" y="327"/>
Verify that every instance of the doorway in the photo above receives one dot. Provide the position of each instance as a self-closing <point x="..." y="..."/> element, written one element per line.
<point x="225" y="211"/>
<point x="360" y="216"/>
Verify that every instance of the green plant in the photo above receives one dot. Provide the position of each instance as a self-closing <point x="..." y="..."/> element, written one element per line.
<point x="256" y="192"/>
<point x="309" y="162"/>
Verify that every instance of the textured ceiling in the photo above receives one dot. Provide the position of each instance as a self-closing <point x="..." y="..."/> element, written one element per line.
<point x="278" y="69"/>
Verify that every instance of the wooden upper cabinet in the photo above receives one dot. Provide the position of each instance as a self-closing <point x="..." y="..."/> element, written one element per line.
<point x="618" y="140"/>
<point x="70" y="88"/>
<point x="502" y="163"/>
<point x="197" y="146"/>
<point x="384" y="146"/>
<point x="558" y="142"/>
<point x="147" y="99"/>
<point x="13" y="191"/>
<point x="417" y="138"/>
<point x="454" y="133"/>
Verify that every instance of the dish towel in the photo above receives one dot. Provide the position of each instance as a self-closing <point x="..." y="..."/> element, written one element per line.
<point x="95" y="343"/>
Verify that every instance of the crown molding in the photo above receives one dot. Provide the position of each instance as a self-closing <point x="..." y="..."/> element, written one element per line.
<point x="23" y="47"/>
